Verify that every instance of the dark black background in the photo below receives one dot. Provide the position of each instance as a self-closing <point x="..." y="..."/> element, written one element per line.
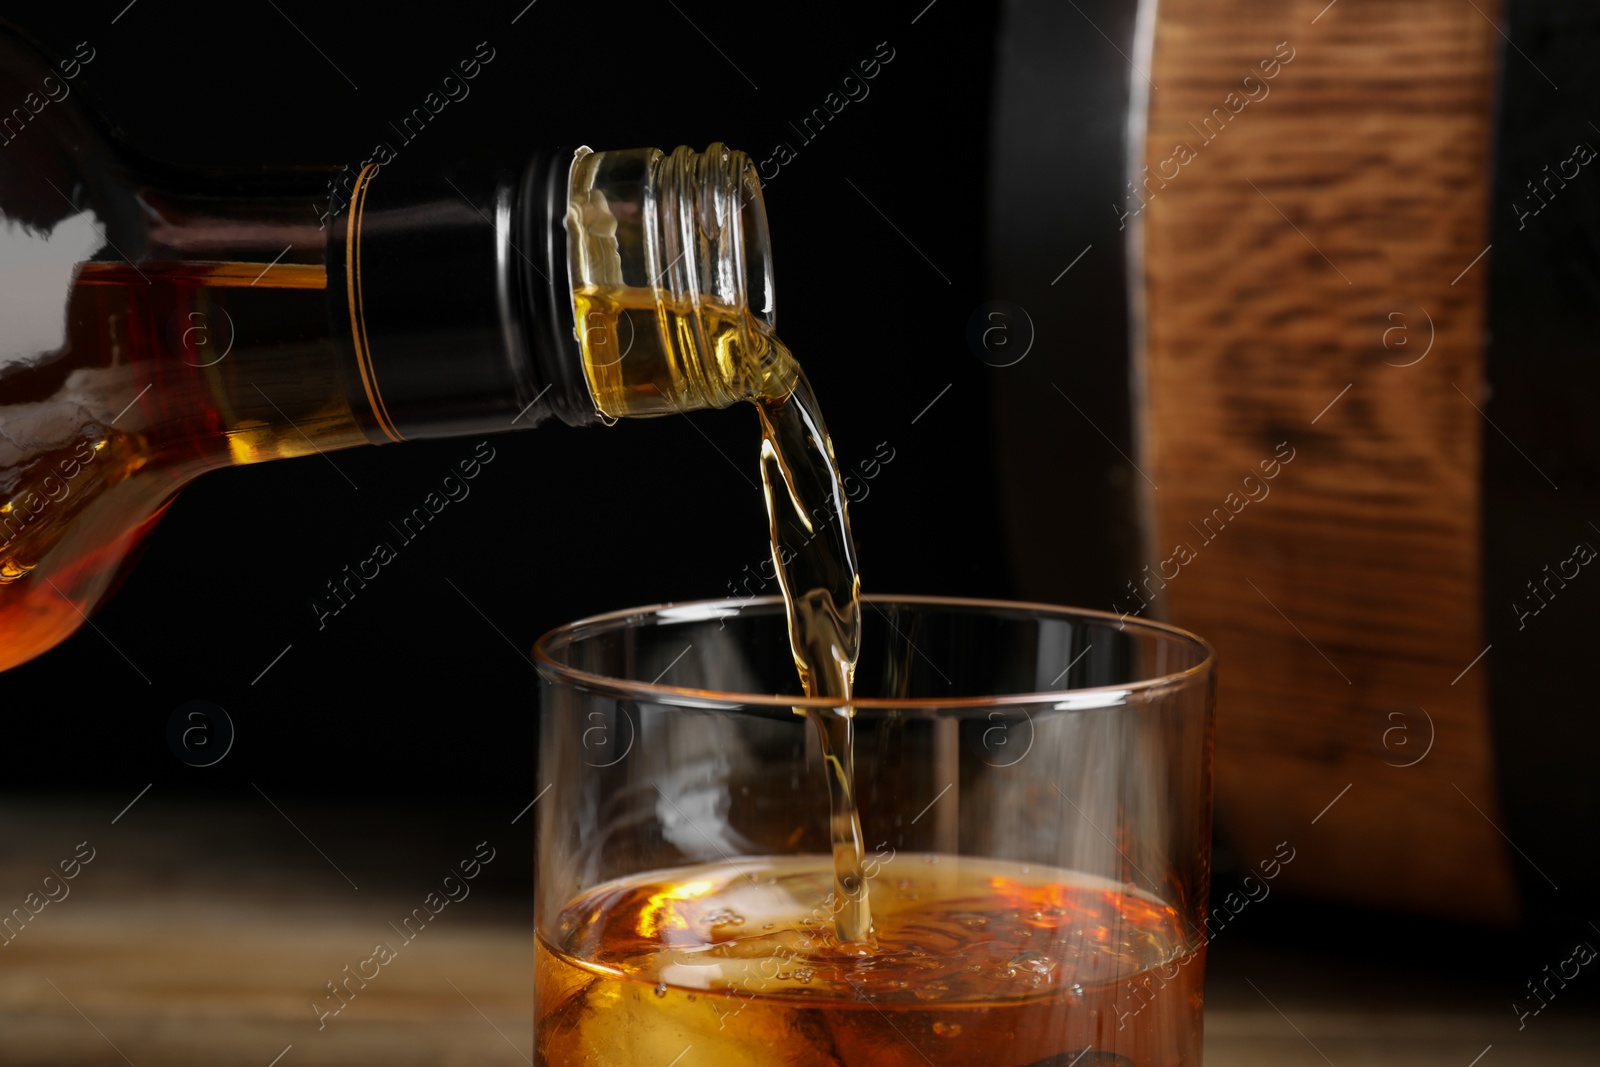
<point x="422" y="687"/>
<point x="1544" y="377"/>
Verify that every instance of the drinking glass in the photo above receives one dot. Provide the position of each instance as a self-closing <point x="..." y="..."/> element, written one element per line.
<point x="1034" y="792"/>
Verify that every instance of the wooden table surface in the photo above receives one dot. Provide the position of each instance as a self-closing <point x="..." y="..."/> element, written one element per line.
<point x="202" y="933"/>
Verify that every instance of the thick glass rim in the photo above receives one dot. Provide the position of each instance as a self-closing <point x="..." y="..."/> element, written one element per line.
<point x="556" y="672"/>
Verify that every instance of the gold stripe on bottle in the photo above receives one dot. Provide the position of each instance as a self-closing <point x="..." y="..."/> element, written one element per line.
<point x="358" y="318"/>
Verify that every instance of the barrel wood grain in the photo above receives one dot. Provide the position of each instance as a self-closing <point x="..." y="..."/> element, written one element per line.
<point x="1318" y="237"/>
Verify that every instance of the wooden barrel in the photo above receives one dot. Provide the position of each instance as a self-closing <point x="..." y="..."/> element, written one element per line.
<point x="1311" y="367"/>
<point x="1262" y="393"/>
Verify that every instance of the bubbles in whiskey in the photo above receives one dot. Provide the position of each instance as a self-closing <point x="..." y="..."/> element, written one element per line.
<point x="979" y="963"/>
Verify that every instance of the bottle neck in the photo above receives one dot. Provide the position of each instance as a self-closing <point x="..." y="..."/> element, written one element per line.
<point x="579" y="287"/>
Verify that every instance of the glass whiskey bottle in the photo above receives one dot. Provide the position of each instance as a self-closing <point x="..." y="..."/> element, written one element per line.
<point x="157" y="323"/>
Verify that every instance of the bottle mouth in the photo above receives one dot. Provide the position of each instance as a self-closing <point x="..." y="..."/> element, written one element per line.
<point x="670" y="264"/>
